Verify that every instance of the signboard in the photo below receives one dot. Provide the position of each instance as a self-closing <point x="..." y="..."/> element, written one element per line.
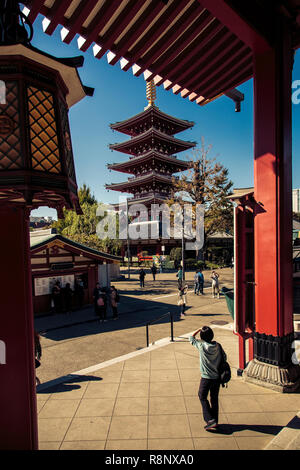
<point x="44" y="285"/>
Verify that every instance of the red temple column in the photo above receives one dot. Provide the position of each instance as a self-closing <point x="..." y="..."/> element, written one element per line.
<point x="18" y="430"/>
<point x="273" y="337"/>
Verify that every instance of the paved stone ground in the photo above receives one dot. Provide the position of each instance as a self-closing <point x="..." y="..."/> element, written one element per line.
<point x="149" y="401"/>
<point x="117" y="396"/>
<point x="86" y="341"/>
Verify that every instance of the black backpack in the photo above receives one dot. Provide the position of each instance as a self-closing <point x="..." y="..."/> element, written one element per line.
<point x="224" y="370"/>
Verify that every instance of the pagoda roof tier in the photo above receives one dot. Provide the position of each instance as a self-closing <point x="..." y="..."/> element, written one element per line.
<point x="128" y="166"/>
<point x="150" y="198"/>
<point x="151" y="139"/>
<point x="152" y="117"/>
<point x="138" y="181"/>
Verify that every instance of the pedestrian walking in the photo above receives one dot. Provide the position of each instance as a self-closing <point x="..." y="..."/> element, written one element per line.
<point x="196" y="283"/>
<point x="68" y="297"/>
<point x="154" y="271"/>
<point x="96" y="295"/>
<point x="200" y="282"/>
<point x="182" y="299"/>
<point x="142" y="276"/>
<point x="114" y="299"/>
<point x="215" y="284"/>
<point x="102" y="305"/>
<point x="211" y="355"/>
<point x="57" y="297"/>
<point x="79" y="293"/>
<point x="179" y="275"/>
<point x="37" y="354"/>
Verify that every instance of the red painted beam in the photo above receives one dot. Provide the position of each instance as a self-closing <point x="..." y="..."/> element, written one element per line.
<point x="184" y="40"/>
<point x="213" y="41"/>
<point x="243" y="77"/>
<point x="78" y="18"/>
<point x="161" y="25"/>
<point x="36" y="7"/>
<point x="236" y="66"/>
<point x="101" y="18"/>
<point x="57" y="13"/>
<point x="216" y="65"/>
<point x="237" y="80"/>
<point x="231" y="19"/>
<point x="136" y="30"/>
<point x="128" y="13"/>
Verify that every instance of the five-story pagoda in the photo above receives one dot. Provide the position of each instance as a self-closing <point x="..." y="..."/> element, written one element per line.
<point x="152" y="161"/>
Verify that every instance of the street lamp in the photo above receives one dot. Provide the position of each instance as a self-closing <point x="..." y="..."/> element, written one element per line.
<point x="36" y="169"/>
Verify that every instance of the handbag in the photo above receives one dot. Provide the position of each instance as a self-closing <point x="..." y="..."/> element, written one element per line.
<point x="224" y="370"/>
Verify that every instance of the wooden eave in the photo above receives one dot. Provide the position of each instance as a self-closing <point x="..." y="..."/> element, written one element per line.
<point x="125" y="167"/>
<point x="74" y="247"/>
<point x="177" y="144"/>
<point x="242" y="195"/>
<point x="176" y="125"/>
<point x="199" y="48"/>
<point x="139" y="181"/>
<point x="155" y="199"/>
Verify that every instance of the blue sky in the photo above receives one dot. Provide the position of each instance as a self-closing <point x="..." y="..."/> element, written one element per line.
<point x="120" y="95"/>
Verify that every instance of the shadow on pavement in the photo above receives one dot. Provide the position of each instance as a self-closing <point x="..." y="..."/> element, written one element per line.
<point x="228" y="429"/>
<point x="137" y="316"/>
<point x="69" y="384"/>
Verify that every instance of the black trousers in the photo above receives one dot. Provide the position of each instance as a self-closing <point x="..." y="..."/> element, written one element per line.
<point x="210" y="409"/>
<point x="115" y="312"/>
<point x="101" y="311"/>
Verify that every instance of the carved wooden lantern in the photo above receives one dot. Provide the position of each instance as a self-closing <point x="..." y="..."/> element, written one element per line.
<point x="36" y="92"/>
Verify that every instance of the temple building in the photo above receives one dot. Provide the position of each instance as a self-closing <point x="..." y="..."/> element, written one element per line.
<point x="152" y="160"/>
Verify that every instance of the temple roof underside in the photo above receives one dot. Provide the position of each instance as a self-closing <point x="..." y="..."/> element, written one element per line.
<point x="131" y="184"/>
<point x="152" y="140"/>
<point x="152" y="117"/>
<point x="153" y="158"/>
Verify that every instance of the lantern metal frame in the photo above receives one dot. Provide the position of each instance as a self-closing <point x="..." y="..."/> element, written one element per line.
<point x="36" y="156"/>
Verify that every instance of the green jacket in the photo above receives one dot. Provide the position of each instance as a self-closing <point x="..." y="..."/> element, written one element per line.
<point x="210" y="357"/>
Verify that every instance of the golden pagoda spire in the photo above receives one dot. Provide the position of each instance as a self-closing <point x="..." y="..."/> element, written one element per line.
<point x="150" y="93"/>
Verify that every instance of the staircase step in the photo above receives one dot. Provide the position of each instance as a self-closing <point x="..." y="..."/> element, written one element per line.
<point x="288" y="438"/>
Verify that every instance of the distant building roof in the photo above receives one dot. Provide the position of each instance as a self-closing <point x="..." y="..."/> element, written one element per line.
<point x="38" y="239"/>
<point x="241" y="192"/>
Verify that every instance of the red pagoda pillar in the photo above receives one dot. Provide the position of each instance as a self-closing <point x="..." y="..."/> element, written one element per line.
<point x="272" y="364"/>
<point x="18" y="400"/>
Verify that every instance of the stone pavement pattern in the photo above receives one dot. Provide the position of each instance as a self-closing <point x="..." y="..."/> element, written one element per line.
<point x="150" y="401"/>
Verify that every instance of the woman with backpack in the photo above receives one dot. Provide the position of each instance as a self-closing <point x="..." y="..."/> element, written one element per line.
<point x="212" y="356"/>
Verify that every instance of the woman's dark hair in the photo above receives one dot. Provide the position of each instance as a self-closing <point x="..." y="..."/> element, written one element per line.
<point x="206" y="334"/>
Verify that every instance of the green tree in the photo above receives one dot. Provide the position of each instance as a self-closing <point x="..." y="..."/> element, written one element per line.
<point x="207" y="183"/>
<point x="175" y="254"/>
<point x="82" y="228"/>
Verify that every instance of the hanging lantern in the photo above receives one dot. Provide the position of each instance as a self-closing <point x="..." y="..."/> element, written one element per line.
<point x="36" y="92"/>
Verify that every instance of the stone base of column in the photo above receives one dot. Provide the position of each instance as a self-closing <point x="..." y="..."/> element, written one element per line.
<point x="280" y="379"/>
